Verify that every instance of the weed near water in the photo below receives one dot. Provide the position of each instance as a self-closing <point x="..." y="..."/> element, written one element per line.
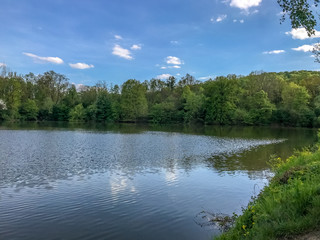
<point x="289" y="206"/>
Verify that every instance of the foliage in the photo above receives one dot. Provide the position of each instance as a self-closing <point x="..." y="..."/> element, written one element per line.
<point x="295" y="104"/>
<point x="29" y="110"/>
<point x="260" y="109"/>
<point x="300" y="13"/>
<point x="289" y="206"/>
<point x="103" y="107"/>
<point x="133" y="100"/>
<point x="221" y="99"/>
<point x="286" y="98"/>
<point x="77" y="113"/>
<point x="194" y="104"/>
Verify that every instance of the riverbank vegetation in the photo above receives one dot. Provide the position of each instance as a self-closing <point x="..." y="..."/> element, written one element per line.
<point x="285" y="98"/>
<point x="289" y="206"/>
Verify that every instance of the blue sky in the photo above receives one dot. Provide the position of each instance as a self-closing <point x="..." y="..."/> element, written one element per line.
<point x="113" y="41"/>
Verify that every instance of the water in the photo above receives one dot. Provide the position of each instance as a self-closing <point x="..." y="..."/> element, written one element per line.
<point x="131" y="181"/>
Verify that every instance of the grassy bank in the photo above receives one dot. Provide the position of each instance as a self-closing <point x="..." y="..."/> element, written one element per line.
<point x="289" y="206"/>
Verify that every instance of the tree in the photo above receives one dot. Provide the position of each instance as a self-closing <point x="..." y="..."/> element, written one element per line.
<point x="60" y="112"/>
<point x="29" y="110"/>
<point x="133" y="100"/>
<point x="163" y="112"/>
<point x="193" y="104"/>
<point x="221" y="99"/>
<point x="171" y="82"/>
<point x="300" y="13"/>
<point x="295" y="105"/>
<point x="71" y="97"/>
<point x="186" y="80"/>
<point x="13" y="93"/>
<point x="260" y="108"/>
<point x="88" y="96"/>
<point x="77" y="113"/>
<point x="3" y="109"/>
<point x="103" y="107"/>
<point x="271" y="83"/>
<point x="45" y="111"/>
<point x="51" y="84"/>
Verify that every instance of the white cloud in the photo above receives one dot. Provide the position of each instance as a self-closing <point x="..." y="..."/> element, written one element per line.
<point x="3" y="65"/>
<point x="174" y="42"/>
<point x="220" y="18"/>
<point x="206" y="77"/>
<point x="240" y="20"/>
<point x="163" y="76"/>
<point x="173" y="60"/>
<point x="175" y="66"/>
<point x="301" y="33"/>
<point x="55" y="60"/>
<point x="136" y="47"/>
<point x="118" y="37"/>
<point x="121" y="52"/>
<point x="166" y="67"/>
<point x="245" y="4"/>
<point x="81" y="65"/>
<point x="304" y="48"/>
<point x="274" y="52"/>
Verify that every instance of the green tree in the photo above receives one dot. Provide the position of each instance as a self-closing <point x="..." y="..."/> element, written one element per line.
<point x="3" y="109"/>
<point x="270" y="83"/>
<point x="77" y="113"/>
<point x="50" y="84"/>
<point x="171" y="82"/>
<point x="295" y="105"/>
<point x="104" y="110"/>
<point x="300" y="13"/>
<point x="60" y="112"/>
<point x="88" y="96"/>
<point x="221" y="100"/>
<point x="260" y="109"/>
<point x="29" y="110"/>
<point x="45" y="112"/>
<point x="13" y="93"/>
<point x="91" y="113"/>
<point x="133" y="100"/>
<point x="165" y="112"/>
<point x="193" y="104"/>
<point x="71" y="97"/>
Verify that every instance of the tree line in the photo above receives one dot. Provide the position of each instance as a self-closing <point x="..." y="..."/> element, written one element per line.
<point x="285" y="98"/>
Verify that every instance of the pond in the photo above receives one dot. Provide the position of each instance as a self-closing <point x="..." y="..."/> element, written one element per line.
<point x="127" y="181"/>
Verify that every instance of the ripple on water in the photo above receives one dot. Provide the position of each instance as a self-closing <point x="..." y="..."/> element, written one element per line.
<point x="89" y="185"/>
<point x="30" y="158"/>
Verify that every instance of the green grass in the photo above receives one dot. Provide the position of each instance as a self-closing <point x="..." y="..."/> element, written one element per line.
<point x="289" y="206"/>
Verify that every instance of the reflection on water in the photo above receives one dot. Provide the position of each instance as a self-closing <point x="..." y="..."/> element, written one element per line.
<point x="31" y="157"/>
<point x="130" y="181"/>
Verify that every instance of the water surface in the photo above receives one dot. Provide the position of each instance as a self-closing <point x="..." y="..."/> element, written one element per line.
<point x="130" y="181"/>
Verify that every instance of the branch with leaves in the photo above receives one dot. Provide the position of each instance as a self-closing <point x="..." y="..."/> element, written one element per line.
<point x="300" y="13"/>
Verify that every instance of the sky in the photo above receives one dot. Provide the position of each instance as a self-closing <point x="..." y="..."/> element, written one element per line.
<point x="113" y="41"/>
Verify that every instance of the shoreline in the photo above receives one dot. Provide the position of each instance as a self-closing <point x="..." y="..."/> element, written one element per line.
<point x="289" y="207"/>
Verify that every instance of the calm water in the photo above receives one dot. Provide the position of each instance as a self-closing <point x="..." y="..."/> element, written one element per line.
<point x="131" y="181"/>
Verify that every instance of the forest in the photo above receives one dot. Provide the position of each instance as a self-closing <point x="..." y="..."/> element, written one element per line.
<point x="261" y="98"/>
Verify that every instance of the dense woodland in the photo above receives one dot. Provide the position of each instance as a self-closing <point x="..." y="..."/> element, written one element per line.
<point x="286" y="98"/>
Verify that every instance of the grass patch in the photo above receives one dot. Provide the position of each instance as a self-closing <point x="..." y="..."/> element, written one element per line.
<point x="289" y="206"/>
